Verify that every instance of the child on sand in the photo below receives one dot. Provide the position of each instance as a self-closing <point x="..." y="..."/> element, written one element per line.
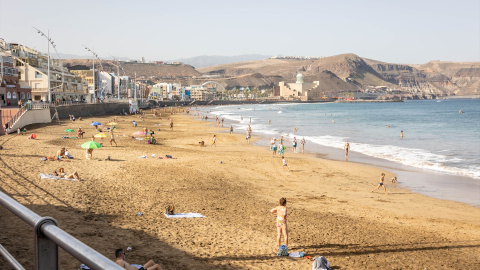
<point x="281" y="223"/>
<point x="284" y="161"/>
<point x="381" y="183"/>
<point x="214" y="140"/>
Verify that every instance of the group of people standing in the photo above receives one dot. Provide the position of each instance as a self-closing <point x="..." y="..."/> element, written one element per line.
<point x="281" y="148"/>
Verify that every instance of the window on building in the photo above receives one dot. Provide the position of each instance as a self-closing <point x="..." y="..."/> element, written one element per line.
<point x="38" y="75"/>
<point x="22" y="95"/>
<point x="29" y="96"/>
<point x="37" y="85"/>
<point x="14" y="95"/>
<point x="9" y="95"/>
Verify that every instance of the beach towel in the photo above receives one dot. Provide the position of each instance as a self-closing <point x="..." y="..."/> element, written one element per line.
<point x="321" y="263"/>
<point x="185" y="215"/>
<point x="53" y="177"/>
<point x="296" y="254"/>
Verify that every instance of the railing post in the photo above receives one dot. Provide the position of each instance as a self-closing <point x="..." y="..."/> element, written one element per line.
<point x="46" y="251"/>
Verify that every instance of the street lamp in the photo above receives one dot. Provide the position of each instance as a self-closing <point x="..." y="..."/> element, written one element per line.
<point x="95" y="56"/>
<point x="49" y="41"/>
<point x="118" y="73"/>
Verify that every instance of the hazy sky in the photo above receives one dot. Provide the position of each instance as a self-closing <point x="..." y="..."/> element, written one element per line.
<point x="401" y="31"/>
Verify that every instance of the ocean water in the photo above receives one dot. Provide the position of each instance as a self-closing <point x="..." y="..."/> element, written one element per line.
<point x="437" y="138"/>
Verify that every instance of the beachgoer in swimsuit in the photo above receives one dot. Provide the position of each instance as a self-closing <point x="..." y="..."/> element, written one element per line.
<point x="294" y="145"/>
<point x="120" y="260"/>
<point x="303" y="144"/>
<point x="381" y="183"/>
<point x="346" y="147"/>
<point x="281" y="222"/>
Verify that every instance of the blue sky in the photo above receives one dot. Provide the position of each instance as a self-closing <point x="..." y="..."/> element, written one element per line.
<point x="413" y="32"/>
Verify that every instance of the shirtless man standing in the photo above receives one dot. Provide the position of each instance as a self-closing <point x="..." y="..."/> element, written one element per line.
<point x="281" y="223"/>
<point x="120" y="260"/>
<point x="381" y="183"/>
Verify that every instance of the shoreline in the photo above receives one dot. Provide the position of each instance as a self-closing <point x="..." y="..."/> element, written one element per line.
<point x="332" y="212"/>
<point x="462" y="189"/>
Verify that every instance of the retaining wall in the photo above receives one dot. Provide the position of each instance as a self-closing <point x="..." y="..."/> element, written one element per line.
<point x="86" y="110"/>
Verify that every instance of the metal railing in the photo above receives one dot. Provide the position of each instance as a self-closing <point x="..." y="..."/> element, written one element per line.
<point x="48" y="237"/>
<point x="17" y="116"/>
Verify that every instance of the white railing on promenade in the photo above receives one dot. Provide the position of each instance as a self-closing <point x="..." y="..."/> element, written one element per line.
<point x="48" y="237"/>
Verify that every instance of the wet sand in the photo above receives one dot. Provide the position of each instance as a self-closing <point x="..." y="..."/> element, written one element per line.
<point x="331" y="211"/>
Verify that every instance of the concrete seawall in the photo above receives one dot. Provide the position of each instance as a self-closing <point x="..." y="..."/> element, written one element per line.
<point x="87" y="110"/>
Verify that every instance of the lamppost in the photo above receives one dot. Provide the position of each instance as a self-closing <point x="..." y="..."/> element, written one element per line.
<point x="118" y="74"/>
<point x="95" y="55"/>
<point x="49" y="41"/>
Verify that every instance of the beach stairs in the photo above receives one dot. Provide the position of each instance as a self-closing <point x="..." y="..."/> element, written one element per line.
<point x="210" y="102"/>
<point x="191" y="103"/>
<point x="26" y="116"/>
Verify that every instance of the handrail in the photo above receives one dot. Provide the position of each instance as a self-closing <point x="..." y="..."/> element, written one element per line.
<point x="10" y="258"/>
<point x="48" y="236"/>
<point x="14" y="118"/>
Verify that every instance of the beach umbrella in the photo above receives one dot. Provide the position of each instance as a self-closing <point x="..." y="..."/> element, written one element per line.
<point x="112" y="124"/>
<point x="69" y="130"/>
<point x="139" y="133"/>
<point x="100" y="135"/>
<point x="95" y="124"/>
<point x="91" y="145"/>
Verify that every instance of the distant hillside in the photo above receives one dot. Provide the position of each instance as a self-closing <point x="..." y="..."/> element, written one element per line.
<point x="338" y="74"/>
<point x="349" y="72"/>
<point x="213" y="60"/>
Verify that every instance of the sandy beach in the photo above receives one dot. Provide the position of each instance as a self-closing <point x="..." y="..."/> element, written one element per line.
<point x="331" y="211"/>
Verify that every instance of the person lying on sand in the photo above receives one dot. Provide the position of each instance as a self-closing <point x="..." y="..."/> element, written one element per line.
<point x="74" y="176"/>
<point x="167" y="157"/>
<point x="51" y="158"/>
<point x="120" y="260"/>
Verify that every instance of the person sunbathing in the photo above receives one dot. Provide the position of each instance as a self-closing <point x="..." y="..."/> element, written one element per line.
<point x="74" y="176"/>
<point x="51" y="158"/>
<point x="120" y="260"/>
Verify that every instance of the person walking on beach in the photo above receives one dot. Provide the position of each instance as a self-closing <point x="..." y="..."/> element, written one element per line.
<point x="112" y="139"/>
<point x="381" y="183"/>
<point x="346" y="147"/>
<point x="294" y="145"/>
<point x="171" y="125"/>
<point x="214" y="140"/>
<point x="281" y="222"/>
<point x="303" y="144"/>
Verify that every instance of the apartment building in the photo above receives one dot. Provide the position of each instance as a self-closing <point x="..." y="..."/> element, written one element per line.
<point x="12" y="88"/>
<point x="33" y="69"/>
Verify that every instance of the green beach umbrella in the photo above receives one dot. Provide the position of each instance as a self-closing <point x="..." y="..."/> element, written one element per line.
<point x="69" y="130"/>
<point x="91" y="145"/>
